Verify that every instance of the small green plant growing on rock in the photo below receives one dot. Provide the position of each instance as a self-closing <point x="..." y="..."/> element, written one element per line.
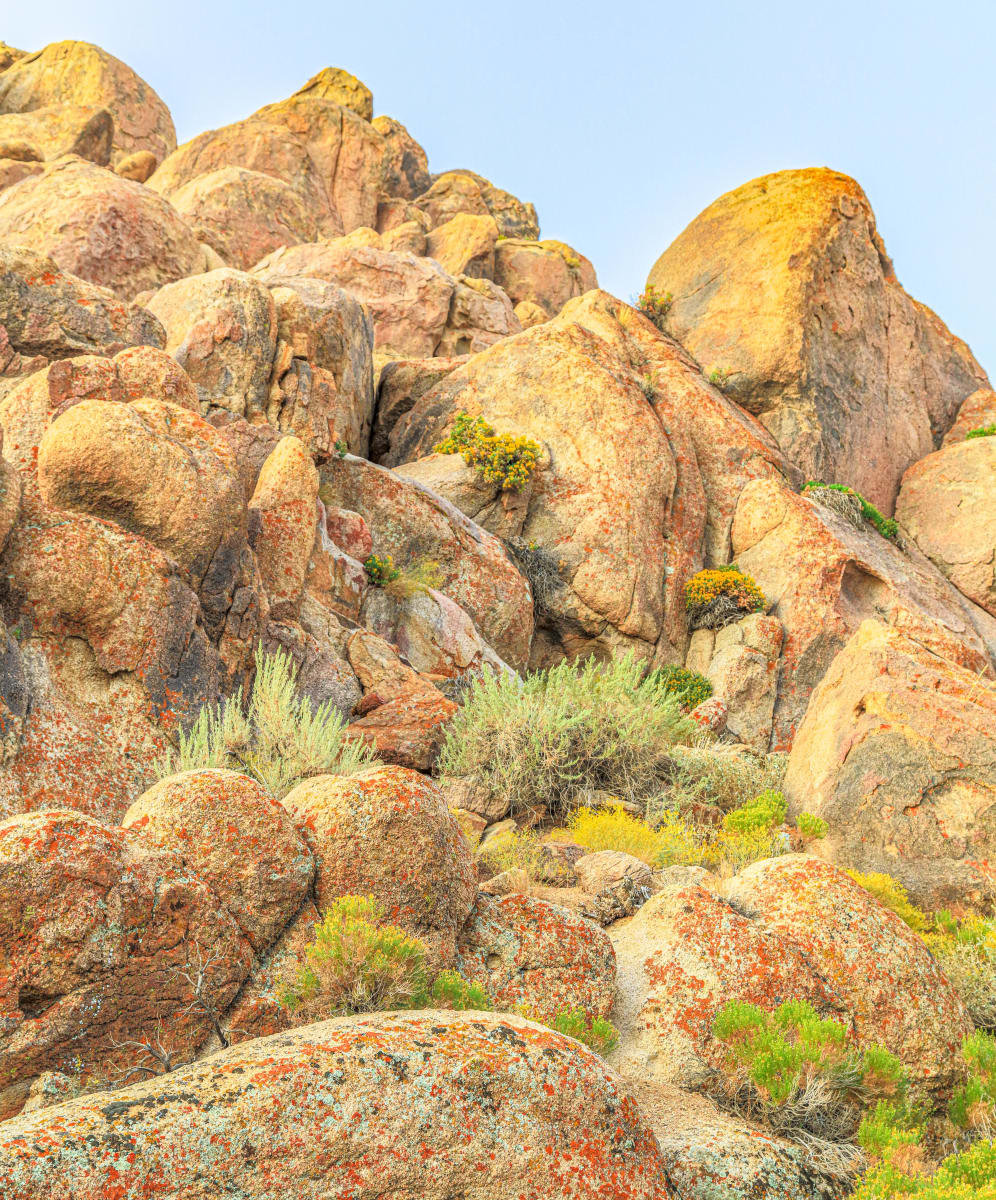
<point x="720" y="595"/>
<point x="764" y="812"/>
<point x="278" y="738"/>
<point x="598" y="1034"/>
<point x="423" y="576"/>
<point x="655" y="305"/>
<point x="719" y="377"/>
<point x="811" y="827"/>
<point x="981" y="431"/>
<point x="689" y="687"/>
<point x="972" y="1108"/>
<point x="886" y="526"/>
<point x="970" y="1175"/>
<point x="381" y="570"/>
<point x="341" y="449"/>
<point x="498" y="458"/>
<point x="451" y="990"/>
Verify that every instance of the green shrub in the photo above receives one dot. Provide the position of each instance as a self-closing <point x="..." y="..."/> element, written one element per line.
<point x="451" y="990"/>
<point x="981" y="431"/>
<point x="972" y="1108"/>
<point x="764" y="812"/>
<point x="717" y="596"/>
<point x="279" y="738"/>
<point x="970" y="1175"/>
<point x="726" y="777"/>
<point x="719" y="377"/>
<point x="615" y="829"/>
<point x="811" y="827"/>
<point x="381" y="570"/>
<point x="523" y="849"/>
<point x="886" y="526"/>
<point x="966" y="953"/>
<point x="558" y="736"/>
<point x="891" y="893"/>
<point x="498" y="458"/>
<point x="598" y="1034"/>
<point x="423" y="576"/>
<point x="689" y="687"/>
<point x="655" y="306"/>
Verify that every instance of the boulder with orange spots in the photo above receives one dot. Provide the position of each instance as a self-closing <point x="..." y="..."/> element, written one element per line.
<point x="407" y="730"/>
<point x="417" y="1106"/>
<point x="823" y="577"/>
<point x="897" y="752"/>
<point x="101" y="227"/>
<point x="226" y="828"/>
<point x="784" y="285"/>
<point x="387" y="832"/>
<point x="283" y="514"/>
<point x="536" y="957"/>
<point x="97" y="929"/>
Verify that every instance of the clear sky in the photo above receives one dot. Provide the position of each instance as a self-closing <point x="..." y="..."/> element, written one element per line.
<point x="622" y="121"/>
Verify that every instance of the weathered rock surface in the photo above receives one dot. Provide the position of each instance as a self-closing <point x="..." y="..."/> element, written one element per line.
<point x="406" y="168"/>
<point x="897" y="752"/>
<point x="401" y="383"/>
<point x="465" y="245"/>
<point x="547" y="274"/>
<point x="333" y="83"/>
<point x="77" y="73"/>
<point x="51" y="132"/>
<point x="743" y="670"/>
<point x="784" y="283"/>
<point x="283" y="515"/>
<point x="387" y="832"/>
<point x="99" y="226"/>
<point x="824" y="577"/>
<point x="388" y="1105"/>
<point x="456" y="192"/>
<point x="976" y="411"/>
<point x="946" y="505"/>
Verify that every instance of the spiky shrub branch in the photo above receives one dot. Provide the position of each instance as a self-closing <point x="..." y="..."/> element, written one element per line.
<point x="278" y="738"/>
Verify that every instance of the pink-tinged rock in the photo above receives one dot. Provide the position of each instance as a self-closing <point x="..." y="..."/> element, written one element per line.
<point x="605" y="868"/>
<point x="456" y="192"/>
<point x="897" y="752"/>
<point x="480" y="315"/>
<point x="387" y="832"/>
<point x="977" y="411"/>
<point x="77" y="73"/>
<point x="335" y="579"/>
<point x="283" y="515"/>
<point x="711" y="714"/>
<point x="408" y="730"/>
<point x="537" y="957"/>
<point x="824" y="577"/>
<point x="544" y="273"/>
<point x="743" y="671"/>
<point x="227" y="829"/>
<point x="946" y="506"/>
<point x="406" y="168"/>
<point x="389" y="1104"/>
<point x="98" y="928"/>
<point x="349" y="532"/>
<point x="105" y="229"/>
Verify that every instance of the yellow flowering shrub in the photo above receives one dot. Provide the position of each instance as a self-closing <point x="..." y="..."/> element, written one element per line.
<point x="499" y="458"/>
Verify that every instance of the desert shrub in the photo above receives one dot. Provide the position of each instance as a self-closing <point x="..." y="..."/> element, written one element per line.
<point x="972" y="1107"/>
<point x="381" y="570"/>
<point x="422" y="576"/>
<point x="451" y="990"/>
<point x="886" y="526"/>
<point x="357" y="963"/>
<point x="523" y="849"/>
<point x="689" y="687"/>
<point x="802" y="1075"/>
<point x="811" y="827"/>
<point x="726" y="777"/>
<point x="981" y="431"/>
<point x="891" y="893"/>
<point x="966" y="953"/>
<point x="278" y="738"/>
<point x="498" y="458"/>
<point x="970" y="1175"/>
<point x="718" y="596"/>
<point x="614" y="828"/>
<point x="729" y="852"/>
<point x="764" y="812"/>
<point x="542" y="570"/>
<point x="598" y="1033"/>
<point x="560" y="735"/>
<point x="655" y="305"/>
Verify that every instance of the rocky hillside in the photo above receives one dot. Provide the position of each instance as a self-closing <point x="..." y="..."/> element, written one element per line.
<point x="463" y="734"/>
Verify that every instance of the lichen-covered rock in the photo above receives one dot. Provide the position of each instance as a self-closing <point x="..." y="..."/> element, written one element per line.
<point x="229" y="830"/>
<point x="544" y="273"/>
<point x="743" y="671"/>
<point x="824" y="577"/>
<point x="390" y="1104"/>
<point x="77" y="73"/>
<point x="99" y="226"/>
<point x="784" y="284"/>
<point x="97" y="929"/>
<point x="537" y="957"/>
<point x="401" y="384"/>
<point x="897" y="752"/>
<point x="387" y="832"/>
<point x="283" y="516"/>
<point x="407" y="730"/>
<point x="945" y="505"/>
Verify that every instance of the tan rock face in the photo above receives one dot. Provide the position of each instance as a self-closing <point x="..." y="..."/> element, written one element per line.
<point x="228" y="830"/>
<point x="785" y="284"/>
<point x="97" y="929"/>
<point x="946" y="506"/>
<point x="547" y="274"/>
<point x="401" y="383"/>
<point x="480" y="315"/>
<point x="457" y="192"/>
<point x="824" y="577"/>
<point x="95" y="224"/>
<point x="897" y="753"/>
<point x="406" y="168"/>
<point x="49" y="133"/>
<point x="387" y="832"/>
<point x="743" y="671"/>
<point x="408" y="730"/>
<point x="556" y="1117"/>
<point x="411" y="523"/>
<point x="283" y="515"/>
<point x="76" y="73"/>
<point x="465" y="245"/>
<point x="332" y="83"/>
<point x="138" y="166"/>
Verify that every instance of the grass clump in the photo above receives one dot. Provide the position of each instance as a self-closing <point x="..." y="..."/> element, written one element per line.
<point x="812" y="828"/>
<point x="966" y="953"/>
<point x="425" y="575"/>
<point x="891" y="893"/>
<point x="690" y="687"/>
<point x="278" y="738"/>
<point x="717" y="597"/>
<point x="523" y="850"/>
<point x="655" y="306"/>
<point x="598" y="1034"/>
<point x="724" y="777"/>
<point x="886" y="526"/>
<point x="981" y="431"/>
<point x="553" y="739"/>
<point x="498" y="458"/>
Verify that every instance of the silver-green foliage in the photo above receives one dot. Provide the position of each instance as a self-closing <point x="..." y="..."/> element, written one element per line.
<point x="278" y="738"/>
<point x="559" y="735"/>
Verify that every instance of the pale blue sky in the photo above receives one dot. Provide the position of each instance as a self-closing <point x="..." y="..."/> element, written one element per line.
<point x="622" y="121"/>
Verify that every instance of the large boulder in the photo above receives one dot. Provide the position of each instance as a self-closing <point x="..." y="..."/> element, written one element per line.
<point x="976" y="411"/>
<point x="824" y="576"/>
<point x="897" y="752"/>
<point x="387" y="832"/>
<point x="784" y="286"/>
<point x="401" y="383"/>
<point x="456" y="192"/>
<point x="99" y="930"/>
<point x="95" y="224"/>
<point x="538" y="958"/>
<point x="228" y="829"/>
<point x="337" y="85"/>
<point x="406" y="168"/>
<point x="418" y="1106"/>
<point x="49" y="133"/>
<point x="544" y="273"/>
<point x="76" y="73"/>
<point x="946" y="506"/>
<point x="465" y="245"/>
<point x="283" y="515"/>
